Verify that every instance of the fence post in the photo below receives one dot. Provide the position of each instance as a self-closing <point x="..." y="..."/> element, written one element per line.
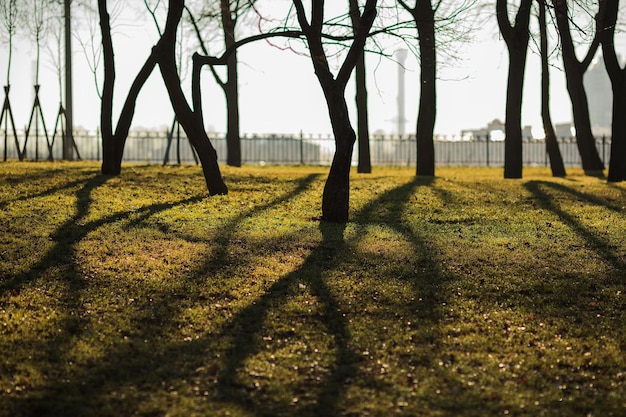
<point x="301" y="148"/>
<point x="487" y="145"/>
<point x="603" y="151"/>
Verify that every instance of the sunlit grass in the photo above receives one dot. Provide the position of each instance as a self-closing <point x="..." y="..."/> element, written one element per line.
<point x="463" y="294"/>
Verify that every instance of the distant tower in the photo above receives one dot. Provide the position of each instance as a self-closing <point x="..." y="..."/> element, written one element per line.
<point x="401" y="54"/>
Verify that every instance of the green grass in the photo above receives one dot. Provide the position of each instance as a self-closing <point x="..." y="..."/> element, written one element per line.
<point x="463" y="294"/>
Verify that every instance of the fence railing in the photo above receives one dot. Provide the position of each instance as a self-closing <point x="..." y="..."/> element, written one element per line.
<point x="152" y="147"/>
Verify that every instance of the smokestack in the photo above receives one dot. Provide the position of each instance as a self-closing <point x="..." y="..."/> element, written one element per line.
<point x="401" y="54"/>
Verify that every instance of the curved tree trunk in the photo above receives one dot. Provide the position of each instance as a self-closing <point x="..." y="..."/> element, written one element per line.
<point x="574" y="72"/>
<point x="335" y="199"/>
<point x="425" y="21"/>
<point x="113" y="143"/>
<point x="190" y="120"/>
<point x="552" y="146"/>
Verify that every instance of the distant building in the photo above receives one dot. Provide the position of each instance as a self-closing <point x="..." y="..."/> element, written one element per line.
<point x="564" y="130"/>
<point x="600" y="97"/>
<point x="495" y="130"/>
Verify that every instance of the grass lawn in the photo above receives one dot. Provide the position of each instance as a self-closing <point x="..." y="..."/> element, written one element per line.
<point x="464" y="294"/>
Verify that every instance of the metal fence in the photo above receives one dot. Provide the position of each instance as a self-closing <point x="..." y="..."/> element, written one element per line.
<point x="159" y="147"/>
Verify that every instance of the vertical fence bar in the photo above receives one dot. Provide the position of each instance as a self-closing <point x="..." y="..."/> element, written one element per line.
<point x="487" y="148"/>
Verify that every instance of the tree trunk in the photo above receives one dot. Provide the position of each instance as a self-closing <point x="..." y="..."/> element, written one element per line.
<point x="231" y="89"/>
<point x="574" y="72"/>
<point x="585" y="141"/>
<point x="617" y="74"/>
<point x="425" y="21"/>
<point x="552" y="146"/>
<point x="109" y="167"/>
<point x="335" y="200"/>
<point x="190" y="120"/>
<point x="365" y="161"/>
<point x="513" y="122"/>
<point x="617" y="165"/>
<point x="364" y="165"/>
<point x="113" y="143"/>
<point x="516" y="38"/>
<point x="336" y="196"/>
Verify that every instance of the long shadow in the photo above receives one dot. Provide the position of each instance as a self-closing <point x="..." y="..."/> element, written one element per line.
<point x="72" y="231"/>
<point x="156" y="318"/>
<point x="43" y="193"/>
<point x="245" y="329"/>
<point x="546" y="201"/>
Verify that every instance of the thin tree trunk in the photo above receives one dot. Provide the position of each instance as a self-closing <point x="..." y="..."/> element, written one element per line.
<point x="109" y="167"/>
<point x="231" y="89"/>
<point x="113" y="143"/>
<point x="617" y="165"/>
<point x="552" y="146"/>
<point x="617" y="74"/>
<point x="364" y="165"/>
<point x="425" y="20"/>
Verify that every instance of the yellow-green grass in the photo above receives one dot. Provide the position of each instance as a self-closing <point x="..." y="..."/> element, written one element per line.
<point x="462" y="294"/>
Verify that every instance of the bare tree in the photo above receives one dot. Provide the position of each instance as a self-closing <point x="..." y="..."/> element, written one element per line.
<point x="574" y="72"/>
<point x="113" y="142"/>
<point x="335" y="199"/>
<point x="190" y="118"/>
<point x="552" y="146"/>
<point x="516" y="37"/>
<point x="227" y="13"/>
<point x="37" y="22"/>
<point x="617" y="74"/>
<point x="9" y="15"/>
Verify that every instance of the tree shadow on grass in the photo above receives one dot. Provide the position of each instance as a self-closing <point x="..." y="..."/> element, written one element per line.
<point x="85" y="390"/>
<point x="600" y="245"/>
<point x="351" y="364"/>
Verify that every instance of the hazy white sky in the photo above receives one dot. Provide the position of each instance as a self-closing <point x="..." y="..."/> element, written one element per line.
<point x="279" y="91"/>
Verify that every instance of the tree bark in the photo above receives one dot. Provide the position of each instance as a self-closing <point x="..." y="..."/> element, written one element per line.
<point x="231" y="89"/>
<point x="424" y="16"/>
<point x="574" y="72"/>
<point x="190" y="120"/>
<point x="335" y="199"/>
<point x="516" y="38"/>
<point x="552" y="146"/>
<point x="113" y="143"/>
<point x="106" y="103"/>
<point x="617" y="74"/>
<point x="364" y="165"/>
